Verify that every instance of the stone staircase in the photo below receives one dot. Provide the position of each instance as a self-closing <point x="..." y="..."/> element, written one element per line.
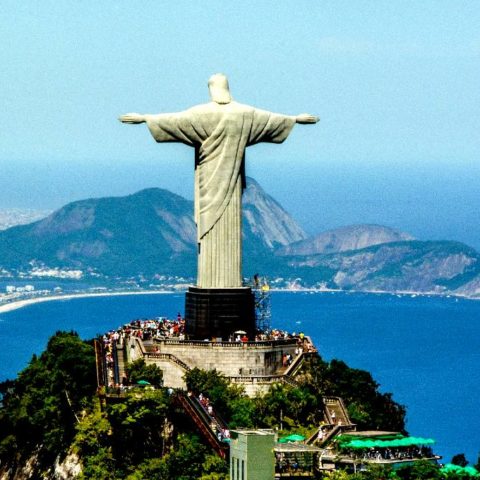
<point x="335" y="411"/>
<point x="336" y="421"/>
<point x="121" y="361"/>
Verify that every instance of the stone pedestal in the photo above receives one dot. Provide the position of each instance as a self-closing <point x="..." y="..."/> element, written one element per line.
<point x="218" y="312"/>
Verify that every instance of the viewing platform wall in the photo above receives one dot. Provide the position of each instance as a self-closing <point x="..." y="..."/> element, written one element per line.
<point x="254" y="364"/>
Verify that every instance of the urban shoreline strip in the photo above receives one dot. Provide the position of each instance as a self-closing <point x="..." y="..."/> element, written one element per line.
<point x="8" y="307"/>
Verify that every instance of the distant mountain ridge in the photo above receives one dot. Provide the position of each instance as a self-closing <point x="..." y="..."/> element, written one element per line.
<point x="114" y="236"/>
<point x="352" y="237"/>
<point x="414" y="266"/>
<point x="150" y="235"/>
<point x="151" y="232"/>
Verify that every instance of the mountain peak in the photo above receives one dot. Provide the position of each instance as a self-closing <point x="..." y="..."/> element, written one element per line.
<point x="266" y="218"/>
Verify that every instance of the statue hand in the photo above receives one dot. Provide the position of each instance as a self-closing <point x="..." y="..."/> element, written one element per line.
<point x="305" y="118"/>
<point x="132" y="118"/>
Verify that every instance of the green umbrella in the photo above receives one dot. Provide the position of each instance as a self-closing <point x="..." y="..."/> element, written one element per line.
<point x="292" y="438"/>
<point x="143" y="382"/>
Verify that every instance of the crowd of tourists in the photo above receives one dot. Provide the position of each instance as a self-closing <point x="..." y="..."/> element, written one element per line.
<point x="217" y="425"/>
<point x="401" y="453"/>
<point x="144" y="329"/>
<point x="147" y="329"/>
<point x="291" y="463"/>
<point x="163" y="328"/>
<point x="109" y="341"/>
<point x="304" y="343"/>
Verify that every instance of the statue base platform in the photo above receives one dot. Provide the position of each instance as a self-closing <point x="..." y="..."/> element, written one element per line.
<point x="219" y="312"/>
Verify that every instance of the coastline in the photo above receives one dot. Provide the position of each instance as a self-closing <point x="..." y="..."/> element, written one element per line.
<point x="8" y="307"/>
<point x="15" y="305"/>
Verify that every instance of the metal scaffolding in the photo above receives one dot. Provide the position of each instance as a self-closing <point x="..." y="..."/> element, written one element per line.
<point x="263" y="313"/>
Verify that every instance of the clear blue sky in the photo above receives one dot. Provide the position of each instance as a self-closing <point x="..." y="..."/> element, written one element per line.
<point x="396" y="84"/>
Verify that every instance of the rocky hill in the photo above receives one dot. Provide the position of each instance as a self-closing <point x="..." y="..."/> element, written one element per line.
<point x="113" y="236"/>
<point x="149" y="233"/>
<point x="353" y="237"/>
<point x="266" y="220"/>
<point x="440" y="267"/>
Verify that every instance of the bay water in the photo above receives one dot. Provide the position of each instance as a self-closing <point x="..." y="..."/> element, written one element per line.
<point x="425" y="350"/>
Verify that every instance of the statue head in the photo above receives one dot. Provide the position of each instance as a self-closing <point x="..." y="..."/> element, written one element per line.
<point x="219" y="90"/>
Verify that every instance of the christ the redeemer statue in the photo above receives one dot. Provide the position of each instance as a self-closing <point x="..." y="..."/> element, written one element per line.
<point x="220" y="132"/>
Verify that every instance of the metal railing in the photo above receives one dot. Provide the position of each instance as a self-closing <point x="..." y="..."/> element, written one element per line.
<point x="213" y="344"/>
<point x="170" y="357"/>
<point x="338" y="402"/>
<point x="202" y="421"/>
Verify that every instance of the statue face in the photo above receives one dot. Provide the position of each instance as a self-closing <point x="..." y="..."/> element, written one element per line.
<point x="219" y="90"/>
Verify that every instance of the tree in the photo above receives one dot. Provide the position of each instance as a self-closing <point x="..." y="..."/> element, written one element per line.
<point x="223" y="395"/>
<point x="243" y="412"/>
<point x="214" y="468"/>
<point x="477" y="465"/>
<point x="184" y="461"/>
<point x="337" y="475"/>
<point x="378" y="472"/>
<point x="460" y="460"/>
<point x="286" y="406"/>
<point x="367" y="407"/>
<point x="139" y="370"/>
<point x="42" y="407"/>
<point x="137" y="425"/>
<point x="92" y="444"/>
<point x="420" y="470"/>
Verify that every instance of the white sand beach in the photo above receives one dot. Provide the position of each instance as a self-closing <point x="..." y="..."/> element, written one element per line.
<point x="8" y="307"/>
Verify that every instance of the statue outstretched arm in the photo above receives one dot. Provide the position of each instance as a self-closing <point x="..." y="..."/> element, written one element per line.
<point x="133" y="118"/>
<point x="167" y="127"/>
<point x="305" y="118"/>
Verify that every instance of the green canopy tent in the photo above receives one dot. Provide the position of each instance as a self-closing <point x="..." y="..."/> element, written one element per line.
<point x="397" y="442"/>
<point x="348" y="437"/>
<point x="292" y="438"/>
<point x="367" y="443"/>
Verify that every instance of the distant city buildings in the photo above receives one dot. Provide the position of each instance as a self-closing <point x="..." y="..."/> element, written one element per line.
<point x="56" y="273"/>
<point x="10" y="217"/>
<point x="25" y="289"/>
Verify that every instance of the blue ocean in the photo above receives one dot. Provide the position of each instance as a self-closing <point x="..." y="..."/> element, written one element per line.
<point x="425" y="350"/>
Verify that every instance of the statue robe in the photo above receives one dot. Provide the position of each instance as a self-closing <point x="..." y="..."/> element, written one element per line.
<point x="220" y="134"/>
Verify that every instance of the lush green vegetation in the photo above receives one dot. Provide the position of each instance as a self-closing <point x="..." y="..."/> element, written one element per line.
<point x="139" y="371"/>
<point x="137" y="438"/>
<point x="288" y="407"/>
<point x="52" y="411"/>
<point x="40" y="409"/>
<point x="366" y="405"/>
